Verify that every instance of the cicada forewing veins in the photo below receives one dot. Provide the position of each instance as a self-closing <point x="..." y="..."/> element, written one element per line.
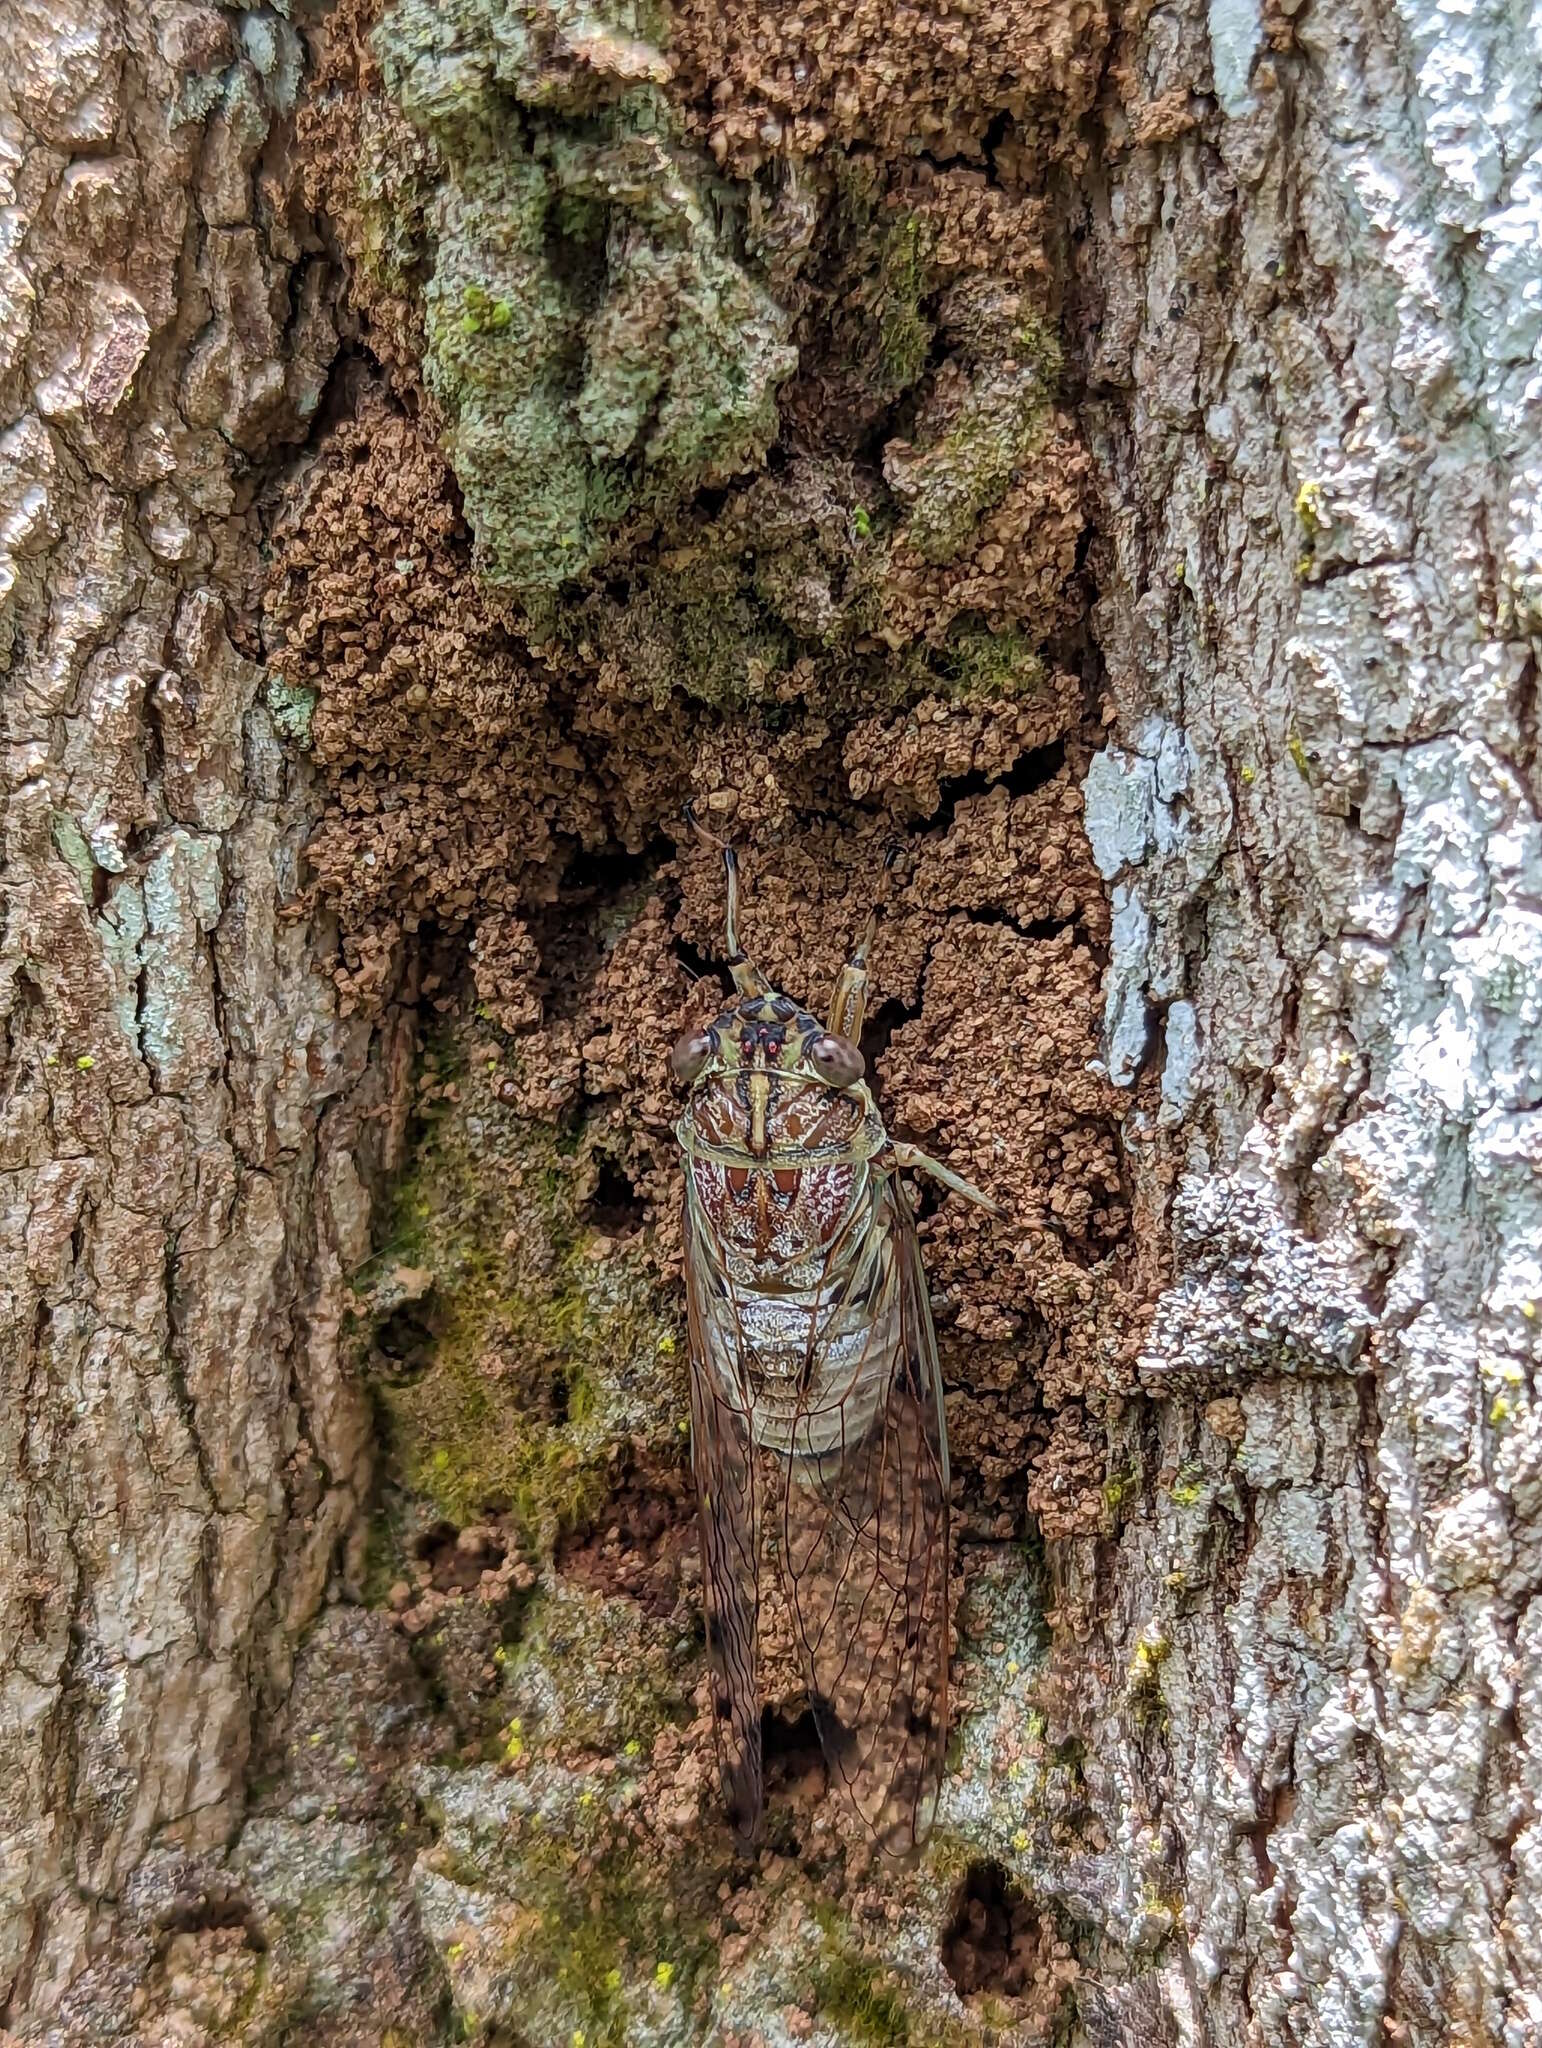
<point x="865" y="1544"/>
<point x="722" y="1460"/>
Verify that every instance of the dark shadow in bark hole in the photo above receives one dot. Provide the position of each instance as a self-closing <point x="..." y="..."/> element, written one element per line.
<point x="559" y="1395"/>
<point x="1036" y="928"/>
<point x="573" y="933"/>
<point x="995" y="1941"/>
<point x="353" y="375"/>
<point x="700" y="968"/>
<point x="404" y="1342"/>
<point x="995" y="135"/>
<point x="881" y="1027"/>
<point x="1031" y="771"/>
<point x="452" y="1568"/>
<point x="789" y="1745"/>
<point x="796" y="1775"/>
<point x="207" y="1910"/>
<point x="614" y="1206"/>
<point x="610" y="870"/>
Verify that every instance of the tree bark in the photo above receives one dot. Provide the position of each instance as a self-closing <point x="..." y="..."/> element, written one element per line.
<point x="1254" y="1364"/>
<point x="184" y="1463"/>
<point x="1314" y="406"/>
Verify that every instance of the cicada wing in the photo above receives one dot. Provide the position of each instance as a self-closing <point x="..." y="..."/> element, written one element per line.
<point x="722" y="1458"/>
<point x="866" y="1549"/>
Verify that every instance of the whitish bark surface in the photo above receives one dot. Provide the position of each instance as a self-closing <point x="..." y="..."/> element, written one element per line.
<point x="1321" y="827"/>
<point x="1301" y="1655"/>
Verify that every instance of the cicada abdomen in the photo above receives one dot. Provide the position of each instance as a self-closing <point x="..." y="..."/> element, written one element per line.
<point x="811" y="1342"/>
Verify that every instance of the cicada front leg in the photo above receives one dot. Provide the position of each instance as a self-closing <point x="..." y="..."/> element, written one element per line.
<point x="747" y="977"/>
<point x="908" y="1157"/>
<point x="848" y="1005"/>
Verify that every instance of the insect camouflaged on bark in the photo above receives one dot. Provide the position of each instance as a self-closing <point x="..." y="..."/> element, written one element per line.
<point x="811" y="1340"/>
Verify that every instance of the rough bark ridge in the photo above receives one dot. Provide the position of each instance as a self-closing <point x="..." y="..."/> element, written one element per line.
<point x="182" y="1458"/>
<point x="724" y="403"/>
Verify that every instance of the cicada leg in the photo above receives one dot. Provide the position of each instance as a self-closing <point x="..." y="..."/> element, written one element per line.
<point x="922" y="1162"/>
<point x="848" y="1006"/>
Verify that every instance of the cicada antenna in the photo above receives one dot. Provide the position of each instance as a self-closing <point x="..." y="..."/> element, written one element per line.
<point x="747" y="977"/>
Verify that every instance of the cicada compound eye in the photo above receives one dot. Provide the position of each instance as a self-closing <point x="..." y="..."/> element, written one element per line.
<point x="690" y="1055"/>
<point x="836" y="1060"/>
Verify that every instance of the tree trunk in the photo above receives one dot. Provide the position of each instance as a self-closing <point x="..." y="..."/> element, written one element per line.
<point x="1071" y="478"/>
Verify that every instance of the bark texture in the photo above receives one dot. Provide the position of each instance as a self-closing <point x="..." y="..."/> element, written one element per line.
<point x="183" y="1463"/>
<point x="1320" y="823"/>
<point x="1091" y="455"/>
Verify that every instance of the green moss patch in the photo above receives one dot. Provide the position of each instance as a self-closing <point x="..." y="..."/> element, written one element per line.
<point x="535" y="1360"/>
<point x="596" y="337"/>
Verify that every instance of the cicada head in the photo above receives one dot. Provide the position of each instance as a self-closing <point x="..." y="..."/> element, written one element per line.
<point x="776" y="1128"/>
<point x="770" y="1083"/>
<point x="773" y="1091"/>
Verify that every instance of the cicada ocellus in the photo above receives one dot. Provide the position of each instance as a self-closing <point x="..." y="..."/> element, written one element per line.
<point x="812" y="1348"/>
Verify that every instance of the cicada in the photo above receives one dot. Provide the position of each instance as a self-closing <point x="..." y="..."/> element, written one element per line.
<point x="812" y="1352"/>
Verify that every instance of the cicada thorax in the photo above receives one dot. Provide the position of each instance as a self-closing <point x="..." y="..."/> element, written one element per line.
<point x="783" y="1230"/>
<point x="787" y="1204"/>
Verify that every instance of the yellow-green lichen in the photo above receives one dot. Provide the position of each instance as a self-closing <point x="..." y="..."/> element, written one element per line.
<point x="1037" y="344"/>
<point x="1151" y="1653"/>
<point x="1188" y="1489"/>
<point x="1120" y="1492"/>
<point x="1309" y="510"/>
<point x="1143" y="1680"/>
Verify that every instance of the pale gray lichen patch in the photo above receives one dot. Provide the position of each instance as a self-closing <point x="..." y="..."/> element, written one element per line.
<point x="1158" y="820"/>
<point x="1179" y="1077"/>
<point x="291" y="707"/>
<point x="1235" y="35"/>
<point x="596" y="335"/>
<point x="1254" y="1296"/>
